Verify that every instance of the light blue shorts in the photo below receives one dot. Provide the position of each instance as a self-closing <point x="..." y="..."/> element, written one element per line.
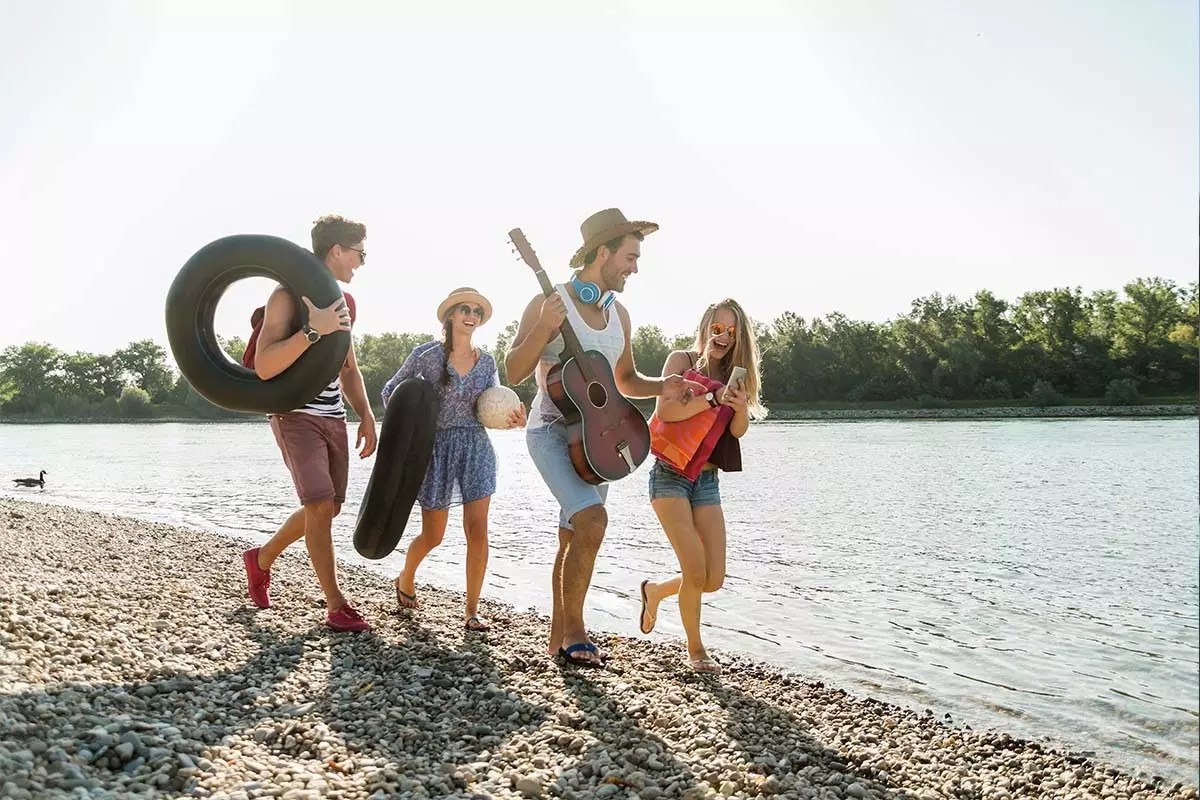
<point x="666" y="482"/>
<point x="548" y="449"/>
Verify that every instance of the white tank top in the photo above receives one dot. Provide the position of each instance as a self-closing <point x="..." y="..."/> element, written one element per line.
<point x="610" y="342"/>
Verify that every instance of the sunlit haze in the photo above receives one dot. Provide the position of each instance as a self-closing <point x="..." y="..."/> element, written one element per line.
<point x="804" y="156"/>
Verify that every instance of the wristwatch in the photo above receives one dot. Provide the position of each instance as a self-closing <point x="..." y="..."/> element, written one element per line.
<point x="310" y="333"/>
<point x="712" y="400"/>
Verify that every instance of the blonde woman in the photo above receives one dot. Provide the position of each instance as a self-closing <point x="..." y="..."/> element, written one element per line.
<point x="690" y="510"/>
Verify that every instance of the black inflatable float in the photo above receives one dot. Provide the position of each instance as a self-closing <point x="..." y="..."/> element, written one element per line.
<point x="401" y="459"/>
<point x="192" y="301"/>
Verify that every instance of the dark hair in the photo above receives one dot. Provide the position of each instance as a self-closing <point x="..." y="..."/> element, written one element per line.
<point x="447" y="327"/>
<point x="612" y="244"/>
<point x="334" y="229"/>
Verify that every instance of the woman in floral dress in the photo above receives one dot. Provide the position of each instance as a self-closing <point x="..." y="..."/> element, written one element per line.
<point x="462" y="468"/>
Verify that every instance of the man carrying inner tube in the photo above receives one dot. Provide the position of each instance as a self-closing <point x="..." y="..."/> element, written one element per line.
<point x="312" y="438"/>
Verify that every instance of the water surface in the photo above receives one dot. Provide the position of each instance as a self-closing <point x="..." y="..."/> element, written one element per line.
<point x="1037" y="576"/>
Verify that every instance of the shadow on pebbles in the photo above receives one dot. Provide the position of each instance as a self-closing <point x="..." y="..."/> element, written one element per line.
<point x="133" y="665"/>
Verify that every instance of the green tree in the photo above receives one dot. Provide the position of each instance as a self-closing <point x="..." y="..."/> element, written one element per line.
<point x="146" y="365"/>
<point x="32" y="373"/>
<point x="650" y="349"/>
<point x="1145" y="319"/>
<point x="1187" y="332"/>
<point x="1047" y="344"/>
<point x="90" y="377"/>
<point x="235" y="348"/>
<point x="528" y="387"/>
<point x="1151" y="311"/>
<point x="992" y="334"/>
<point x="1052" y="325"/>
<point x="683" y="341"/>
<point x="380" y="355"/>
<point x="1101" y="309"/>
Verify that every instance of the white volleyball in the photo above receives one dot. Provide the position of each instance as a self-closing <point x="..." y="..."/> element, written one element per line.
<point x="494" y="405"/>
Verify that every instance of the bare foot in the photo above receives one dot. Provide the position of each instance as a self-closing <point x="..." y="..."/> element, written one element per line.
<point x="406" y="599"/>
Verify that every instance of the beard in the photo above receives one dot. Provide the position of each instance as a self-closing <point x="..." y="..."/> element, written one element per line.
<point x="611" y="275"/>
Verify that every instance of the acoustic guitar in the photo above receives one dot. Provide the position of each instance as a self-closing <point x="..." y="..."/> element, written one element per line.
<point x="607" y="436"/>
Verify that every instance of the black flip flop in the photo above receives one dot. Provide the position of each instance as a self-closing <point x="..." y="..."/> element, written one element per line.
<point x="412" y="598"/>
<point x="642" y="613"/>
<point x="566" y="655"/>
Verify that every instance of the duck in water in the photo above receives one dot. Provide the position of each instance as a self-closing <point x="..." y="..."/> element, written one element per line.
<point x="40" y="480"/>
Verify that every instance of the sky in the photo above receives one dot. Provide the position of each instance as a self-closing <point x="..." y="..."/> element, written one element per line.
<point x="806" y="155"/>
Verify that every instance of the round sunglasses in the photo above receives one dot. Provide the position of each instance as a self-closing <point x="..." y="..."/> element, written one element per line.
<point x="717" y="328"/>
<point x="463" y="308"/>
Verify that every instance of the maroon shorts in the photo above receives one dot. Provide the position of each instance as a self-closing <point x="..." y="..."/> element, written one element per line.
<point x="316" y="452"/>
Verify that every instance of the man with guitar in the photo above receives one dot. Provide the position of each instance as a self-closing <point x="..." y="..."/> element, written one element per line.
<point x="582" y="431"/>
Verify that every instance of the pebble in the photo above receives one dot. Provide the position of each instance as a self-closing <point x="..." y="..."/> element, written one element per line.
<point x="149" y="681"/>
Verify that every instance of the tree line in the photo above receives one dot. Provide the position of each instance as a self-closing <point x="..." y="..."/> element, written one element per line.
<point x="1041" y="349"/>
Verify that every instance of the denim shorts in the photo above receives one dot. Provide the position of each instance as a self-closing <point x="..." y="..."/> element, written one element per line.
<point x="548" y="449"/>
<point x="666" y="482"/>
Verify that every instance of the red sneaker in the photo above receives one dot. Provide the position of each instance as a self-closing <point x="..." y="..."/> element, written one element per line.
<point x="346" y="619"/>
<point x="259" y="580"/>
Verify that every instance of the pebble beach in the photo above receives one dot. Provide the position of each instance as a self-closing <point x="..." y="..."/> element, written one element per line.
<point x="133" y="665"/>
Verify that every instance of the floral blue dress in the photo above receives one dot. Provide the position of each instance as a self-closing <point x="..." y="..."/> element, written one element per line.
<point x="462" y="468"/>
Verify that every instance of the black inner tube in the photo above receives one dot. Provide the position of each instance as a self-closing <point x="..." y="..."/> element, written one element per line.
<point x="406" y="440"/>
<point x="192" y="304"/>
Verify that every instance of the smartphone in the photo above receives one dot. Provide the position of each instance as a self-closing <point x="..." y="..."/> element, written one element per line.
<point x="738" y="375"/>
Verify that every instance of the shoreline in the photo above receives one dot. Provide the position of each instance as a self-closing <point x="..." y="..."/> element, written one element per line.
<point x="784" y="414"/>
<point x="123" y="672"/>
<point x="1173" y="410"/>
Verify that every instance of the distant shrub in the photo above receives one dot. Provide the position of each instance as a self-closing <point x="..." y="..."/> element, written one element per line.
<point x="995" y="389"/>
<point x="932" y="401"/>
<point x="1043" y="393"/>
<point x="69" y="406"/>
<point x="134" y="402"/>
<point x="1122" y="392"/>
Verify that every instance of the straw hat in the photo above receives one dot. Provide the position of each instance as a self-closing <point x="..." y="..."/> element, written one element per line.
<point x="604" y="226"/>
<point x="464" y="294"/>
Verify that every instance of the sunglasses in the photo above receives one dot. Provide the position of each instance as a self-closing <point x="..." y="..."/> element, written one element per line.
<point x="466" y="309"/>
<point x="716" y="329"/>
<point x="362" y="254"/>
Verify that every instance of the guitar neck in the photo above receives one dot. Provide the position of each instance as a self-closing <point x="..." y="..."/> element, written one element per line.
<point x="571" y="343"/>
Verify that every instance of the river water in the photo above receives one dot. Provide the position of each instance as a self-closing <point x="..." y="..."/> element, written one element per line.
<point x="1035" y="576"/>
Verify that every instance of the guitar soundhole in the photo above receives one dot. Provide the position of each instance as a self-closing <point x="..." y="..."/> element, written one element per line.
<point x="597" y="395"/>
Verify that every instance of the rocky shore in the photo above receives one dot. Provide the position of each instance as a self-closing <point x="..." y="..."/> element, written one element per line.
<point x="132" y="665"/>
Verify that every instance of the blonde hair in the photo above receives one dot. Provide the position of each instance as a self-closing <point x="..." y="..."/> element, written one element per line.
<point x="744" y="353"/>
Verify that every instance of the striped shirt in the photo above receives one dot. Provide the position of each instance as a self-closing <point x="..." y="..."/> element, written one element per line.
<point x="328" y="403"/>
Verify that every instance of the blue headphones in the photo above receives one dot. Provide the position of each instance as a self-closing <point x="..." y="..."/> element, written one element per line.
<point x="590" y="293"/>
